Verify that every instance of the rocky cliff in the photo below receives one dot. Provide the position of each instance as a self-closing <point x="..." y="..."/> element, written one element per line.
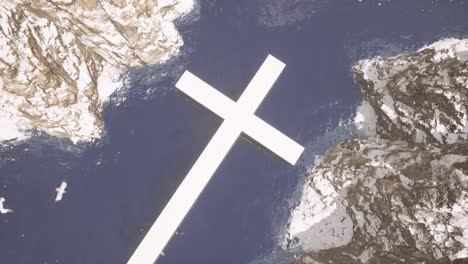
<point x="399" y="192"/>
<point x="60" y="59"/>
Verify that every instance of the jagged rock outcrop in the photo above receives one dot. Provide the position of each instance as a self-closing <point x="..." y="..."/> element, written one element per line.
<point x="406" y="202"/>
<point x="61" y="59"/>
<point x="399" y="193"/>
<point x="422" y="96"/>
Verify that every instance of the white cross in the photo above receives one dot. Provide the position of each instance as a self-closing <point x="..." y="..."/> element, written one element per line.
<point x="238" y="117"/>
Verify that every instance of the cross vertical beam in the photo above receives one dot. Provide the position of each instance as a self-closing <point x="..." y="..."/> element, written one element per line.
<point x="238" y="117"/>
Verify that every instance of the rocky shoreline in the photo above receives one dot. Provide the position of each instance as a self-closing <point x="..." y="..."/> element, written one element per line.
<point x="399" y="192"/>
<point x="61" y="59"/>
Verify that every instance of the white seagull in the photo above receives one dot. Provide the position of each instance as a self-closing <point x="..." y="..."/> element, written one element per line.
<point x="61" y="191"/>
<point x="3" y="210"/>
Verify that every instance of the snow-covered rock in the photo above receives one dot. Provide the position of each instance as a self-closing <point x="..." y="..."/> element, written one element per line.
<point x="399" y="192"/>
<point x="422" y="96"/>
<point x="400" y="199"/>
<point x="61" y="59"/>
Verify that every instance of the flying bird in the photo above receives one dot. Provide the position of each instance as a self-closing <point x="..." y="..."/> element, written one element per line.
<point x="3" y="210"/>
<point x="61" y="191"/>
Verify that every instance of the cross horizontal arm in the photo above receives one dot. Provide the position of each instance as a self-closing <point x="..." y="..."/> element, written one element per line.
<point x="251" y="125"/>
<point x="206" y="95"/>
<point x="271" y="138"/>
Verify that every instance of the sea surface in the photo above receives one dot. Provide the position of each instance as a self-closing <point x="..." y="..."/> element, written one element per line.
<point x="117" y="186"/>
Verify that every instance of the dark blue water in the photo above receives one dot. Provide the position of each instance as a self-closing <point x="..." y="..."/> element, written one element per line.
<point x="119" y="185"/>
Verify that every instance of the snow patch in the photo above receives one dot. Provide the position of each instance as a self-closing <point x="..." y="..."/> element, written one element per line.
<point x="366" y="119"/>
